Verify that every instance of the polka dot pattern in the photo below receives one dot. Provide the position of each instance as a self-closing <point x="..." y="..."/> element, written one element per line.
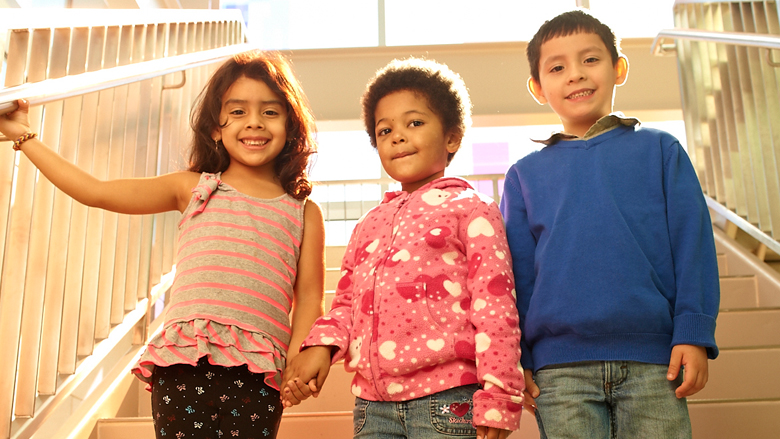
<point x="426" y="302"/>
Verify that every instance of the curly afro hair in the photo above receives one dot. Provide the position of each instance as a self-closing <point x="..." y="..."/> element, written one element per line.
<point x="444" y="90"/>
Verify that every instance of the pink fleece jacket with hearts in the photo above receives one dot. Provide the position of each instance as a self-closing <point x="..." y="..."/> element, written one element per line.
<point x="426" y="303"/>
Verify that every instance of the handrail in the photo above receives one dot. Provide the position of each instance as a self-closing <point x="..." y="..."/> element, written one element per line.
<point x="737" y="38"/>
<point x="743" y="224"/>
<point x="51" y="90"/>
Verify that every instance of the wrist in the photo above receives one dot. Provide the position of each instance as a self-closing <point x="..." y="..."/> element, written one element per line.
<point x="19" y="140"/>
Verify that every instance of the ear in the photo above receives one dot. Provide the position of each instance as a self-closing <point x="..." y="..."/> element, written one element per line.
<point x="536" y="91"/>
<point x="453" y="142"/>
<point x="216" y="135"/>
<point x="621" y="70"/>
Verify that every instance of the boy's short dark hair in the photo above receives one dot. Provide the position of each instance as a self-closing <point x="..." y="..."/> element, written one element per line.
<point x="565" y="24"/>
<point x="444" y="90"/>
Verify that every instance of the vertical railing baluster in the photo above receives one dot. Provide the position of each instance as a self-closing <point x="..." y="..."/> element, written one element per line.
<point x="109" y="125"/>
<point x="37" y="255"/>
<point x="77" y="278"/>
<point x="122" y="151"/>
<point x="17" y="184"/>
<point x="770" y="118"/>
<point x="59" y="253"/>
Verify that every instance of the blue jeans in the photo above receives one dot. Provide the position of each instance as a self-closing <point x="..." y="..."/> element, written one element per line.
<point x="441" y="415"/>
<point x="607" y="400"/>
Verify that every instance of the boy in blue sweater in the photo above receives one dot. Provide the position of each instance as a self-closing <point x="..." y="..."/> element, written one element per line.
<point x="613" y="253"/>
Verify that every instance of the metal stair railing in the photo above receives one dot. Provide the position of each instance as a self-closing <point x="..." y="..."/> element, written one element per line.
<point x="728" y="57"/>
<point x="111" y="91"/>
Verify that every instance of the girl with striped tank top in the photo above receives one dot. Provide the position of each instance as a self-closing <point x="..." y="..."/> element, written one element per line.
<point x="245" y="259"/>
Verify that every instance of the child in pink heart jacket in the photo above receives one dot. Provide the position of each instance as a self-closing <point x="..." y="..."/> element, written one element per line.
<point x="425" y="309"/>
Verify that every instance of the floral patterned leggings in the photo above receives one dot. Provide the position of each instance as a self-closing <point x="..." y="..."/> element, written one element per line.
<point x="213" y="402"/>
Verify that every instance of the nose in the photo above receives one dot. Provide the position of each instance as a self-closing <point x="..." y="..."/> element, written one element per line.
<point x="254" y="120"/>
<point x="398" y="137"/>
<point x="576" y="74"/>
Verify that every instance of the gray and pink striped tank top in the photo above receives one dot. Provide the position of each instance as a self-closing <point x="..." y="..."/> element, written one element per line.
<point x="233" y="289"/>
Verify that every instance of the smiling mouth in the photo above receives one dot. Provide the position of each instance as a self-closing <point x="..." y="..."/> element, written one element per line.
<point x="580" y="94"/>
<point x="249" y="142"/>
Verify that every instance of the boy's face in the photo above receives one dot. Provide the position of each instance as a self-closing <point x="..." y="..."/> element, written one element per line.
<point x="410" y="139"/>
<point x="577" y="78"/>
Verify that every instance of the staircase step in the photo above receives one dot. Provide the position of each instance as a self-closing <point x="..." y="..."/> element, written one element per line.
<point x="723" y="265"/>
<point x="332" y="277"/>
<point x="329" y="295"/>
<point x="330" y="425"/>
<point x="743" y="374"/>
<point x="738" y="292"/>
<point x="754" y="420"/>
<point x="333" y="255"/>
<point x="125" y="428"/>
<point x="748" y="329"/>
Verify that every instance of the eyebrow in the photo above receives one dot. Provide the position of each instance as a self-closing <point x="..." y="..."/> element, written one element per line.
<point x="593" y="48"/>
<point x="406" y="113"/>
<point x="244" y="102"/>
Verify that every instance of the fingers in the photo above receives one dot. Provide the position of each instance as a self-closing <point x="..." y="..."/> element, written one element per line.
<point x="695" y="380"/>
<point x="491" y="433"/>
<point x="529" y="403"/>
<point x="298" y="389"/>
<point x="288" y="398"/>
<point x="674" y="366"/>
<point x="530" y="393"/>
<point x="313" y="388"/>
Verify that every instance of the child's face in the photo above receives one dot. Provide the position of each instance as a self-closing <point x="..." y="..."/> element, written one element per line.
<point x="577" y="78"/>
<point x="411" y="140"/>
<point x="254" y="119"/>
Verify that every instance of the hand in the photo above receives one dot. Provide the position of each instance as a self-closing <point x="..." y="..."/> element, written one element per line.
<point x="15" y="123"/>
<point x="694" y="359"/>
<point x="491" y="433"/>
<point x="305" y="374"/>
<point x="530" y="393"/>
<point x="296" y="391"/>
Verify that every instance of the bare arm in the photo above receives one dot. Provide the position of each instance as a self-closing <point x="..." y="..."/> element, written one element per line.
<point x="308" y="297"/>
<point x="310" y="281"/>
<point x="134" y="196"/>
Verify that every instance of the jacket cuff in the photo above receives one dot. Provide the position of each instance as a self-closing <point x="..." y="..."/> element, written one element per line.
<point x="322" y="339"/>
<point x="497" y="411"/>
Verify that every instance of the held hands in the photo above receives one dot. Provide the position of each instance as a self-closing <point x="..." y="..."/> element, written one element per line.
<point x="305" y="374"/>
<point x="530" y="393"/>
<point x="694" y="359"/>
<point x="491" y="433"/>
<point x="15" y="123"/>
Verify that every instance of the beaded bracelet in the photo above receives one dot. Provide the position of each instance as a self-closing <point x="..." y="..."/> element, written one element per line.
<point x="23" y="138"/>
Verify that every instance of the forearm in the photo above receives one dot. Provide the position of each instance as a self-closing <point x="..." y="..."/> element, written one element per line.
<point x="69" y="178"/>
<point x="304" y="316"/>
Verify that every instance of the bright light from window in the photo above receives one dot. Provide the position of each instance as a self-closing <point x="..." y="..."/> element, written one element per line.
<point x="634" y="18"/>
<point x="416" y="22"/>
<point x="309" y="24"/>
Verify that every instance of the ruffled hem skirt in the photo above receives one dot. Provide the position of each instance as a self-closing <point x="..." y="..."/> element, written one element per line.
<point x="224" y="345"/>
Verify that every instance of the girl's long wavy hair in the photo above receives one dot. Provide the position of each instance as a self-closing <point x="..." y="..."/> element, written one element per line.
<point x="293" y="162"/>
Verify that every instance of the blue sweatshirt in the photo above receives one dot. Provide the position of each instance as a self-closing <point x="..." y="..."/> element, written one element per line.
<point x="613" y="250"/>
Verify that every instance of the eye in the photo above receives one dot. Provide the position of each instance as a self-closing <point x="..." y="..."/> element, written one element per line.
<point x="237" y="112"/>
<point x="591" y="59"/>
<point x="383" y="132"/>
<point x="416" y="123"/>
<point x="556" y="69"/>
<point x="271" y="113"/>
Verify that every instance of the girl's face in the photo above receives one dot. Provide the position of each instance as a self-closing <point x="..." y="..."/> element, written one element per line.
<point x="411" y="141"/>
<point x="253" y="120"/>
